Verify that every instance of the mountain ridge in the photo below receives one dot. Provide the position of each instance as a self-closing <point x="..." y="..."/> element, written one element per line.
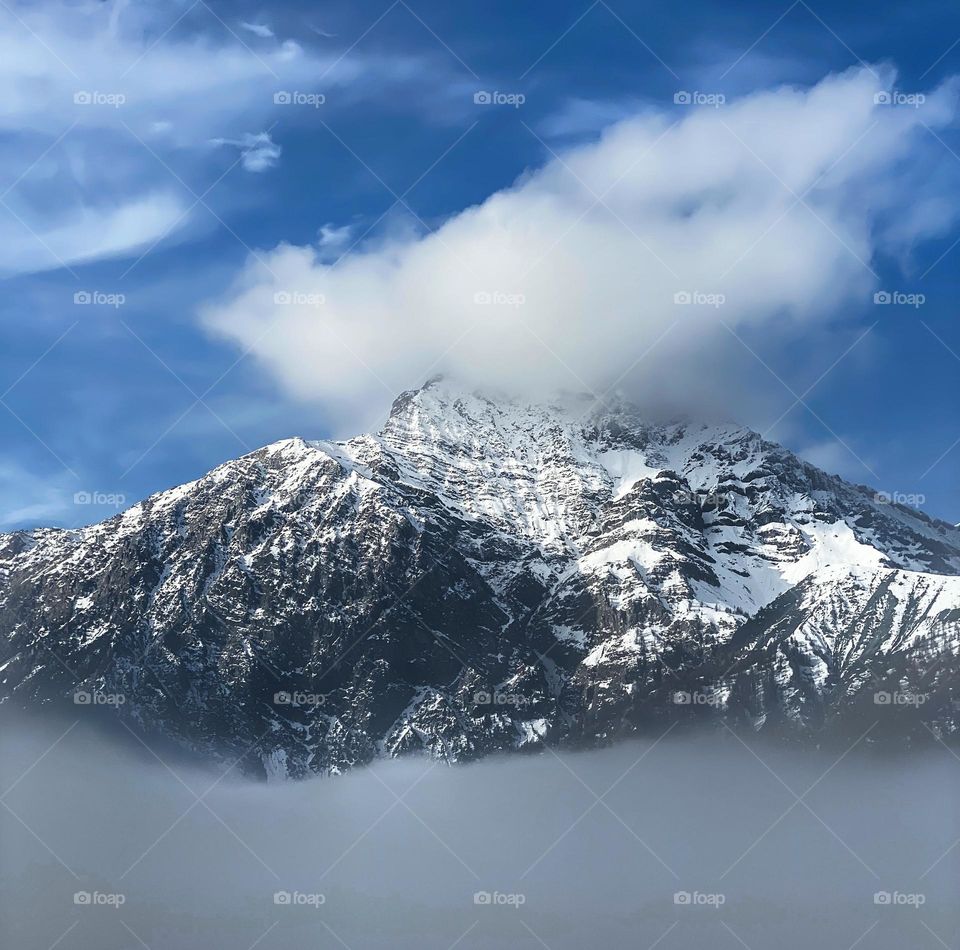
<point x="484" y="575"/>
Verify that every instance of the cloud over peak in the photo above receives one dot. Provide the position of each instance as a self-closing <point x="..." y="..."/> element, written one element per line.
<point x="671" y="230"/>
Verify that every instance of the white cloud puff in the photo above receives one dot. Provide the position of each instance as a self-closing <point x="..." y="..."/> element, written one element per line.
<point x="258" y="29"/>
<point x="671" y="229"/>
<point x="258" y="152"/>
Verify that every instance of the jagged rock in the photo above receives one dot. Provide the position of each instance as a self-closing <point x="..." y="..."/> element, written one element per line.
<point x="485" y="575"/>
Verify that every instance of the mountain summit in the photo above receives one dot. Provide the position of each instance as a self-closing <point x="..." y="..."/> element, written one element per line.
<point x="488" y="575"/>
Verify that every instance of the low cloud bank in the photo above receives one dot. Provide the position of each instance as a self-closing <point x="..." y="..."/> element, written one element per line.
<point x="698" y="840"/>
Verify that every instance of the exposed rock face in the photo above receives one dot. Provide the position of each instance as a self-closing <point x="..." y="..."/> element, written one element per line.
<point x="483" y="576"/>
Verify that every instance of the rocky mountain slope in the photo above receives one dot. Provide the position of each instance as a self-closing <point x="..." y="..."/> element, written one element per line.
<point x="486" y="575"/>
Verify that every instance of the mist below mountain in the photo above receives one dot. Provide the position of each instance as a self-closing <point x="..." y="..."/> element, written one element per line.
<point x="574" y="850"/>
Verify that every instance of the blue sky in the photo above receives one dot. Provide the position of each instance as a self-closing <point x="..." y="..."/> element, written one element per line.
<point x="150" y="163"/>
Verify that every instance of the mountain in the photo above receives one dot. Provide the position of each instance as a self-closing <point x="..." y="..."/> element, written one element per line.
<point x="487" y="575"/>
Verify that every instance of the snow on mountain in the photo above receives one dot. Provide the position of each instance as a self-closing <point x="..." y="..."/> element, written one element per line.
<point x="485" y="574"/>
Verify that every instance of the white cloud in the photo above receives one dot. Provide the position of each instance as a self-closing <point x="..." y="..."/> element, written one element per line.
<point x="320" y="32"/>
<point x="579" y="117"/>
<point x="332" y="240"/>
<point x="258" y="152"/>
<point x="88" y="233"/>
<point x="258" y="29"/>
<point x="569" y="276"/>
<point x="104" y="106"/>
<point x="27" y="499"/>
<point x="836" y="458"/>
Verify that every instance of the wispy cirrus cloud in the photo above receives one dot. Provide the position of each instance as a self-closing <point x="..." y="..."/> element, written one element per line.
<point x="26" y="498"/>
<point x="106" y="113"/>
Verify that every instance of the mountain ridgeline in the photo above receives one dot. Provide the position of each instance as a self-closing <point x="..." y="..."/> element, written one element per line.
<point x="485" y="576"/>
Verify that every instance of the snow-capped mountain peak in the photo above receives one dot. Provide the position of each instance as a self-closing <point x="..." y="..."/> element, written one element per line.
<point x="570" y="556"/>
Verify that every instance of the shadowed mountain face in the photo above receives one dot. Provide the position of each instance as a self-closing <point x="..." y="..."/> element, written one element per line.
<point x="485" y="575"/>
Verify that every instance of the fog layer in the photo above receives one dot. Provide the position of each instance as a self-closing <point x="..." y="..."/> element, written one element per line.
<point x="693" y="843"/>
